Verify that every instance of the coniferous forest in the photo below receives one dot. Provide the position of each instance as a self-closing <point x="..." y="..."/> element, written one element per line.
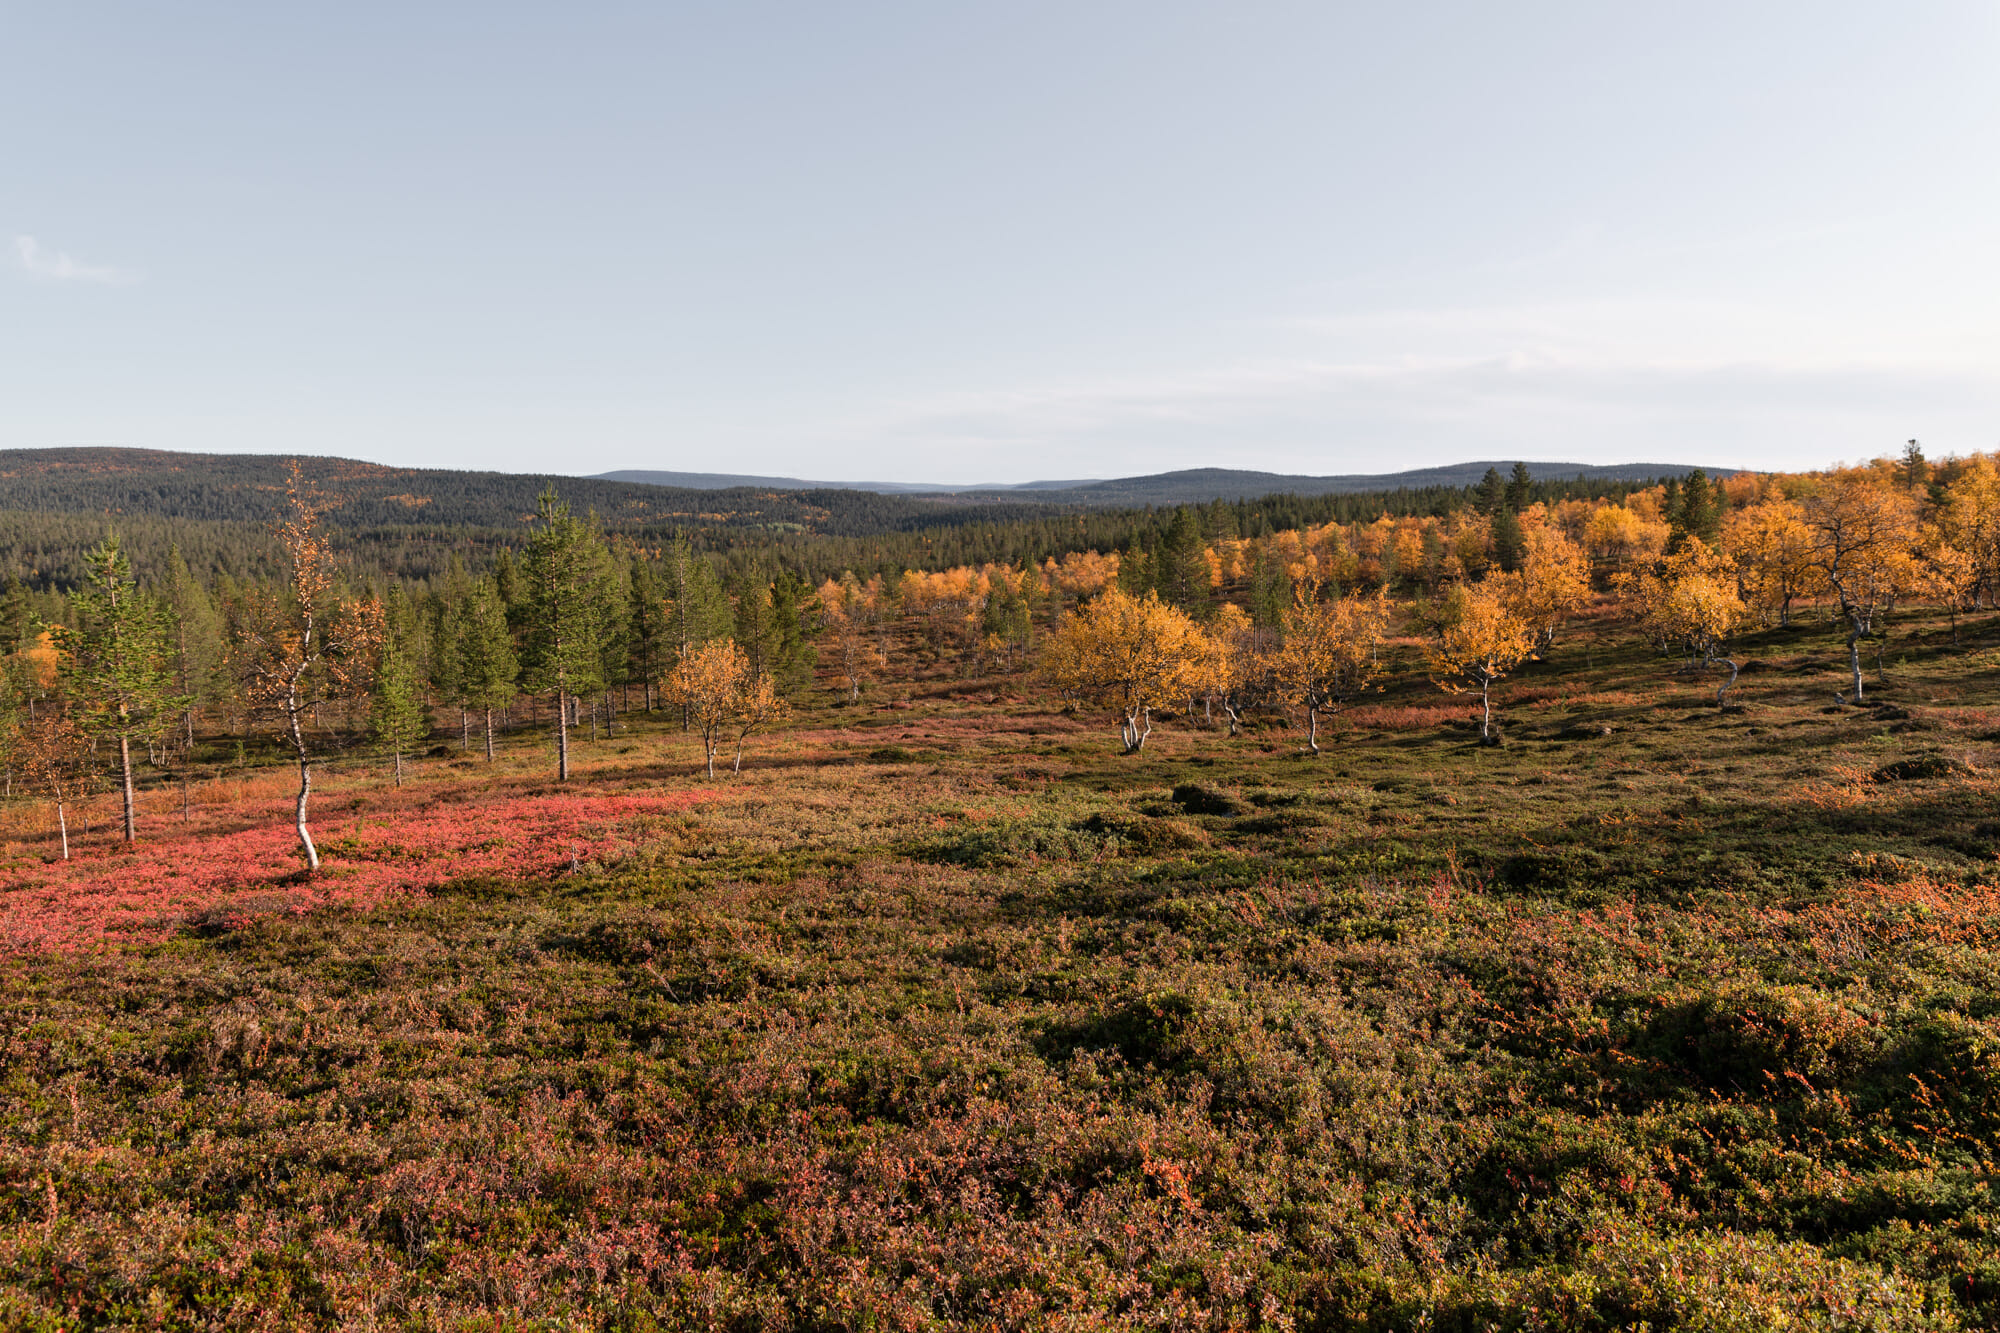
<point x="462" y="900"/>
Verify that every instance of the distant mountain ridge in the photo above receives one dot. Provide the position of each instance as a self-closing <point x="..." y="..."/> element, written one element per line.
<point x="250" y="488"/>
<point x="1188" y="486"/>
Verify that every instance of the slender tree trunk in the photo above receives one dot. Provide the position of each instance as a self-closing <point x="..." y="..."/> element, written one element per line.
<point x="184" y="798"/>
<point x="305" y="834"/>
<point x="1312" y="728"/>
<point x="1727" y="685"/>
<point x="295" y="714"/>
<point x="1485" y="710"/>
<point x="464" y="730"/>
<point x="562" y="736"/>
<point x="1854" y="660"/>
<point x="741" y="736"/>
<point x="399" y="767"/>
<point x="489" y="735"/>
<point x="62" y="825"/>
<point x="1135" y="735"/>
<point x="708" y="742"/>
<point x="125" y="774"/>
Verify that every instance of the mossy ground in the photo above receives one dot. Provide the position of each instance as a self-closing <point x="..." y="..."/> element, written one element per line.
<point x="949" y="1015"/>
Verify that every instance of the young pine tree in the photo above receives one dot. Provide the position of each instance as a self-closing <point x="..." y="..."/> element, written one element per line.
<point x="396" y="712"/>
<point x="483" y="654"/>
<point x="568" y="584"/>
<point x="115" y="663"/>
<point x="441" y="617"/>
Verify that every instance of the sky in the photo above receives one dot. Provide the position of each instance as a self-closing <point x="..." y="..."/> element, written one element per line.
<point x="1002" y="242"/>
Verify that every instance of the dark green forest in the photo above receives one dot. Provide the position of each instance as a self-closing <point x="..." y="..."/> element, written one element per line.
<point x="405" y="524"/>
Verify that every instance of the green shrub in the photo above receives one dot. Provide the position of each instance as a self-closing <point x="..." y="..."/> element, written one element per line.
<point x="1692" y="1282"/>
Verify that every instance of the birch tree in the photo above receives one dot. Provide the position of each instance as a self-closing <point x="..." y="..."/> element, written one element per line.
<point x="1480" y="639"/>
<point x="1134" y="654"/>
<point x="306" y="647"/>
<point x="1330" y="653"/>
<point x="1861" y="536"/>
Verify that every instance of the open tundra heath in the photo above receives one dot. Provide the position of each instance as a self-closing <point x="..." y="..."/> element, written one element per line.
<point x="1131" y="936"/>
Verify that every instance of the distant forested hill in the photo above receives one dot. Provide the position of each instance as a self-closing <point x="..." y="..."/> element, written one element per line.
<point x="407" y="523"/>
<point x="249" y="487"/>
<point x="1192" y="486"/>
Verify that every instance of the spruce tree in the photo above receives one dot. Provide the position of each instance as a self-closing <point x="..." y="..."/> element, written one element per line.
<point x="1137" y="571"/>
<point x="197" y="638"/>
<point x="1702" y="504"/>
<point x="513" y="591"/>
<point x="698" y="607"/>
<point x="1509" y="544"/>
<point x="17" y="615"/>
<point x="1183" y="565"/>
<point x="793" y="654"/>
<point x="1491" y="493"/>
<point x="756" y="629"/>
<point x="647" y="632"/>
<point x="1693" y="508"/>
<point x="614" y="650"/>
<point x="1270" y="591"/>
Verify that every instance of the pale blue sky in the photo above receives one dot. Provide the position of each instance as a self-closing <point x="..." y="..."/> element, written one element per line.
<point x="997" y="242"/>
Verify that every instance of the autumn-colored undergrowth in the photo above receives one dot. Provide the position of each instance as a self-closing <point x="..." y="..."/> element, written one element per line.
<point x="169" y="881"/>
<point x="950" y="1016"/>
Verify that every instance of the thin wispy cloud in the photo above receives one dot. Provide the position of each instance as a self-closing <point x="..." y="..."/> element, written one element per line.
<point x="57" y="266"/>
<point x="1683" y="383"/>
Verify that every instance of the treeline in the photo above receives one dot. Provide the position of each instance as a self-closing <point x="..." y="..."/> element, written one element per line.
<point x="119" y="674"/>
<point x="127" y="484"/>
<point x="218" y="518"/>
<point x="1213" y="607"/>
